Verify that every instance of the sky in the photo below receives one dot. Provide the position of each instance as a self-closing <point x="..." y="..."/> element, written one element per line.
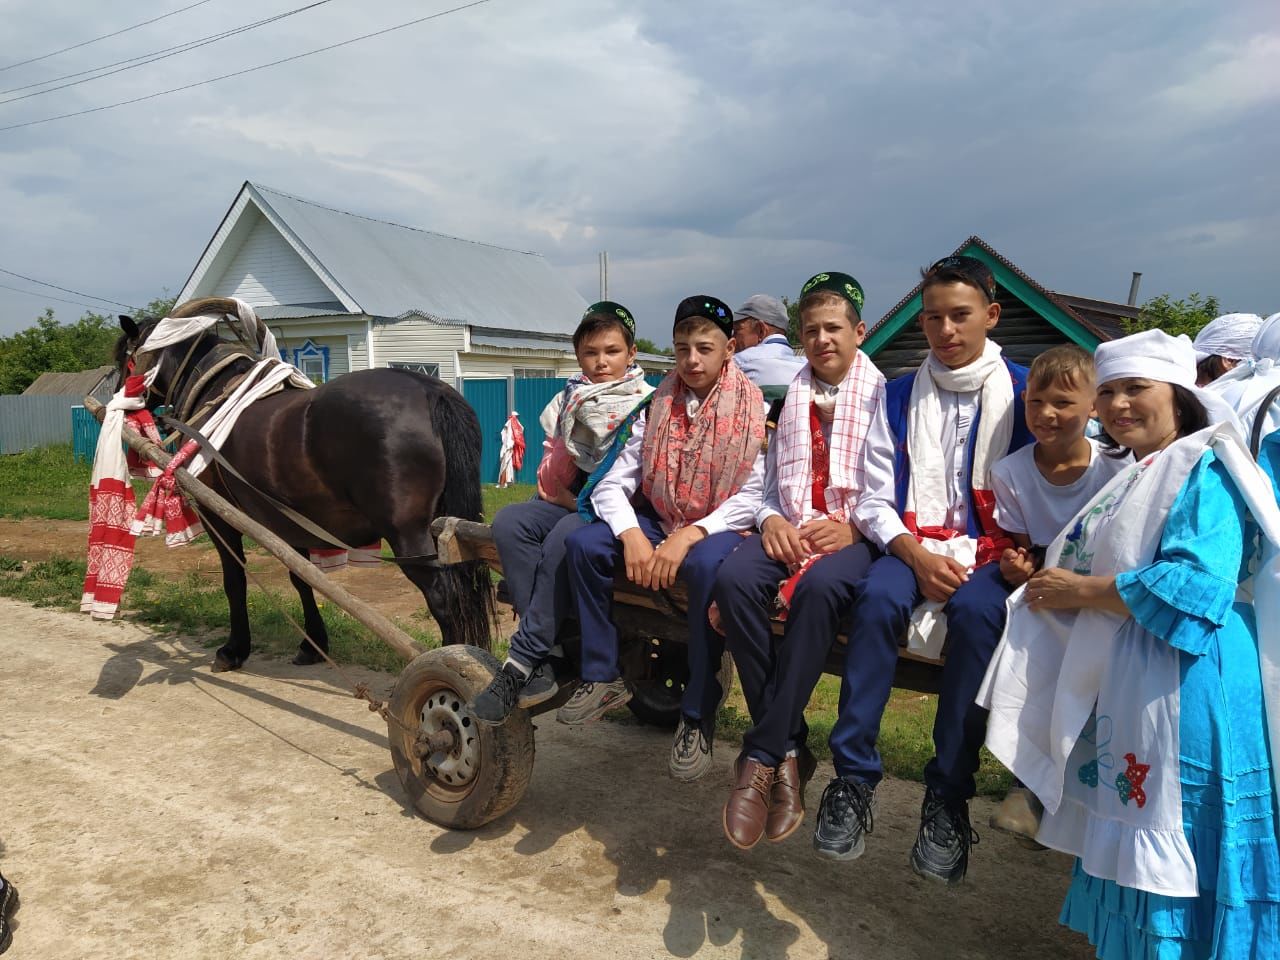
<point x="722" y="148"/>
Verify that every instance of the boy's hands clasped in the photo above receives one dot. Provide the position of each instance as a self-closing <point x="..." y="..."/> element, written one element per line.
<point x="792" y="545"/>
<point x="655" y="568"/>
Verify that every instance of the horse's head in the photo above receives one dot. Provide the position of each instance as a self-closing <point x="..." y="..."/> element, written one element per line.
<point x="171" y="363"/>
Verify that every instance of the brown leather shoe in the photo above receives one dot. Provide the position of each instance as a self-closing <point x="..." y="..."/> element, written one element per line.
<point x="747" y="809"/>
<point x="786" y="798"/>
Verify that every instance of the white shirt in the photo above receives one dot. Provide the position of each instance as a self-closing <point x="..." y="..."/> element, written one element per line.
<point x="876" y="514"/>
<point x="612" y="496"/>
<point x="1028" y="503"/>
<point x="770" y="363"/>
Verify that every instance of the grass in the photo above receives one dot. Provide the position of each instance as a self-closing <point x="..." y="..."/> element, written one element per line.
<point x="196" y="607"/>
<point x="48" y="483"/>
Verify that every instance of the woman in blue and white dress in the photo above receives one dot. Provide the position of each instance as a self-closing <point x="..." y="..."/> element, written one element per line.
<point x="1127" y="691"/>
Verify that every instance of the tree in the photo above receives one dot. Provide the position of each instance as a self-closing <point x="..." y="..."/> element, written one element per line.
<point x="1175" y="316"/>
<point x="48" y="345"/>
<point x="645" y="345"/>
<point x="793" y="319"/>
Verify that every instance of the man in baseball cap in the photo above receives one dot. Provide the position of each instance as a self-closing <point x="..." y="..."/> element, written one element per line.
<point x="764" y="354"/>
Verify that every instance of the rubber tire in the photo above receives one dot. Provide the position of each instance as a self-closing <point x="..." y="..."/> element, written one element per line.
<point x="659" y="705"/>
<point x="506" y="751"/>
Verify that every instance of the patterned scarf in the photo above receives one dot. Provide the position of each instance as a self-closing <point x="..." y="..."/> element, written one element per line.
<point x="925" y="510"/>
<point x="693" y="465"/>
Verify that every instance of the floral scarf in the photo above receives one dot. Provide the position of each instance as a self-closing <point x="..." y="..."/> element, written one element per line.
<point x="694" y="464"/>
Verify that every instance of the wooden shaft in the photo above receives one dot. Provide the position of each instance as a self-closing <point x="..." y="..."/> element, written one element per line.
<point x="387" y="631"/>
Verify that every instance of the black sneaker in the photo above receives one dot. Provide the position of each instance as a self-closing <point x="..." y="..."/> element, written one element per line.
<point x="8" y="907"/>
<point x="494" y="704"/>
<point x="845" y="817"/>
<point x="540" y="686"/>
<point x="941" y="850"/>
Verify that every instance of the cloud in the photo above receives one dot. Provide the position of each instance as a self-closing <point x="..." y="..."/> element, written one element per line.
<point x="721" y="148"/>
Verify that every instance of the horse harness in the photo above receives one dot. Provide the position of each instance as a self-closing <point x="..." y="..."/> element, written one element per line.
<point x="190" y="412"/>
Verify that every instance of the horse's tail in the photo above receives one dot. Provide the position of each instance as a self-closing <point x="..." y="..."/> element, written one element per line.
<point x="466" y="589"/>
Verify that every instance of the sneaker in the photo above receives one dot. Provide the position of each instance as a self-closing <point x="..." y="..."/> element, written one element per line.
<point x="540" y="686"/>
<point x="494" y="704"/>
<point x="8" y="907"/>
<point x="941" y="850"/>
<point x="690" y="751"/>
<point x="591" y="701"/>
<point x="845" y="817"/>
<point x="1020" y="815"/>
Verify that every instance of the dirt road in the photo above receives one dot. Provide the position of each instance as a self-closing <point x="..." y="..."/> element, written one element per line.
<point x="149" y="808"/>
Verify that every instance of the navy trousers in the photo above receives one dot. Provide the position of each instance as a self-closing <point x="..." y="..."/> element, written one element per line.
<point x="530" y="538"/>
<point x="593" y="555"/>
<point x="975" y="620"/>
<point x="778" y="679"/>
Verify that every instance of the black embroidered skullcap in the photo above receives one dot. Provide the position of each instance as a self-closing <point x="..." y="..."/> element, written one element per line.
<point x="709" y="308"/>
<point x="838" y="283"/>
<point x="612" y="309"/>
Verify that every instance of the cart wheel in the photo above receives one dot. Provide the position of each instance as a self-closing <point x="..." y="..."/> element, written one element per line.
<point x="658" y="671"/>
<point x="482" y="771"/>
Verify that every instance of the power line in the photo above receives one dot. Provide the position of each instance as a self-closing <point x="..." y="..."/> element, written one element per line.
<point x="240" y="73"/>
<point x="148" y="58"/>
<point x="47" y="296"/>
<point x="85" y="43"/>
<point x="78" y="293"/>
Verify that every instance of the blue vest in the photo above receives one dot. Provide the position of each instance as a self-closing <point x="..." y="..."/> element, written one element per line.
<point x="898" y="398"/>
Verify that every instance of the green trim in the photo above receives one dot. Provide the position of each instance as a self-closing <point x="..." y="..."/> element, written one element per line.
<point x="1043" y="307"/>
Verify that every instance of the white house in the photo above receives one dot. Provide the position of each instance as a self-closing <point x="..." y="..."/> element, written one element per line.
<point x="344" y="292"/>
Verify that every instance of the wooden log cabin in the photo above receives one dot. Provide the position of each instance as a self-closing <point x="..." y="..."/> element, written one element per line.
<point x="1032" y="318"/>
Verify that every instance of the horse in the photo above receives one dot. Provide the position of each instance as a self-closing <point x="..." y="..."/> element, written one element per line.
<point x="371" y="455"/>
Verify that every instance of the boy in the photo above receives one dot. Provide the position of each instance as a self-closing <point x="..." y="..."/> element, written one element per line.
<point x="695" y="468"/>
<point x="809" y="545"/>
<point x="580" y="423"/>
<point x="928" y="459"/>
<point x="1040" y="489"/>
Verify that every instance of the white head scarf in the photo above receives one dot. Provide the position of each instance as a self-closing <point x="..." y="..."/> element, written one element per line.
<point x="1154" y="355"/>
<point x="1266" y="342"/>
<point x="1230" y="335"/>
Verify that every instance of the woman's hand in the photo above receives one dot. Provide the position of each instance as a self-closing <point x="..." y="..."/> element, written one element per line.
<point x="1054" y="589"/>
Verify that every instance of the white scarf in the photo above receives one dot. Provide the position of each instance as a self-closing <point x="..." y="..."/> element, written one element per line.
<point x="852" y="407"/>
<point x="928" y="484"/>
<point x="1085" y="704"/>
<point x="173" y="330"/>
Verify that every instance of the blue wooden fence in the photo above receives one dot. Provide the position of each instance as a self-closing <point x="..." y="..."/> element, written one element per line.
<point x="84" y="435"/>
<point x="489" y="400"/>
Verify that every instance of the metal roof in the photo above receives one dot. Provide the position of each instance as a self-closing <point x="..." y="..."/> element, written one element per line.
<point x="77" y="384"/>
<point x="297" y="312"/>
<point x="389" y="269"/>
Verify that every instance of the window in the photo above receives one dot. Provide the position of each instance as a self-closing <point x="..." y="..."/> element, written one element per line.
<point x="313" y="361"/>
<point x="430" y="369"/>
<point x="532" y="373"/>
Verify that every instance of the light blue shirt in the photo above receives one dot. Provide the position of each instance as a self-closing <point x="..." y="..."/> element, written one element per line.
<point x="770" y="363"/>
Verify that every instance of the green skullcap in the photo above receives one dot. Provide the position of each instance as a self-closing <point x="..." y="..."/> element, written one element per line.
<point x="838" y="283"/>
<point x="609" y="308"/>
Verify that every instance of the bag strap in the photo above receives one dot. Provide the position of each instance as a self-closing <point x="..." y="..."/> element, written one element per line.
<point x="1259" y="420"/>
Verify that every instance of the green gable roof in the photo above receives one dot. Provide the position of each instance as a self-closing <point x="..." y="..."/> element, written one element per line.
<point x="1009" y="278"/>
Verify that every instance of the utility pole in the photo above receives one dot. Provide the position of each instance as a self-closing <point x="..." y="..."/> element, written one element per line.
<point x="602" y="263"/>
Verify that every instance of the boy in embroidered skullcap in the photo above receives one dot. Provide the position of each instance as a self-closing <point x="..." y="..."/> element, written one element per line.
<point x="929" y="508"/>
<point x="580" y="422"/>
<point x="808" y="557"/>
<point x="682" y="482"/>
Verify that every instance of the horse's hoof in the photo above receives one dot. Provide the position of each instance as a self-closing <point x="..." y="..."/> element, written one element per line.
<point x="224" y="661"/>
<point x="307" y="656"/>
